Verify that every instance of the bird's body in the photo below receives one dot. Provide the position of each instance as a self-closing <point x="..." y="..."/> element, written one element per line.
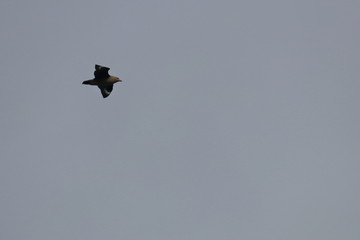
<point x="103" y="80"/>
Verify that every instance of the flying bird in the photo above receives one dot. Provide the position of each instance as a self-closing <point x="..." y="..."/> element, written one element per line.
<point x="103" y="80"/>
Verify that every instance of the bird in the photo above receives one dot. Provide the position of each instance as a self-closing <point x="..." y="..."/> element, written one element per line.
<point x="103" y="80"/>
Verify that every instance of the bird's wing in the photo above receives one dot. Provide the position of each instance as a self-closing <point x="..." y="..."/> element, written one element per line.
<point x="101" y="72"/>
<point x="105" y="91"/>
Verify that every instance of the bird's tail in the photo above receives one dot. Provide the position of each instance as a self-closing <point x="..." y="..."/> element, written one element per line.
<point x="89" y="82"/>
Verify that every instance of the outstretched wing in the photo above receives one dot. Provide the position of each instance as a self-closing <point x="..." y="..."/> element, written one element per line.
<point x="101" y="71"/>
<point x="105" y="91"/>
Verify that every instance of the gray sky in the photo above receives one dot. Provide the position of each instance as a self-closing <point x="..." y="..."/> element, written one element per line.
<point x="235" y="120"/>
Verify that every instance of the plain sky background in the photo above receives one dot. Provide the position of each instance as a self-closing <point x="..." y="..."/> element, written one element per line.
<point x="235" y="120"/>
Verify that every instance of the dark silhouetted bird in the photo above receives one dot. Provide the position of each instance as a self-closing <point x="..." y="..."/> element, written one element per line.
<point x="103" y="80"/>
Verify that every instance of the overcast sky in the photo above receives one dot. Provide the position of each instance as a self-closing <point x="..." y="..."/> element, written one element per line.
<point x="235" y="120"/>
